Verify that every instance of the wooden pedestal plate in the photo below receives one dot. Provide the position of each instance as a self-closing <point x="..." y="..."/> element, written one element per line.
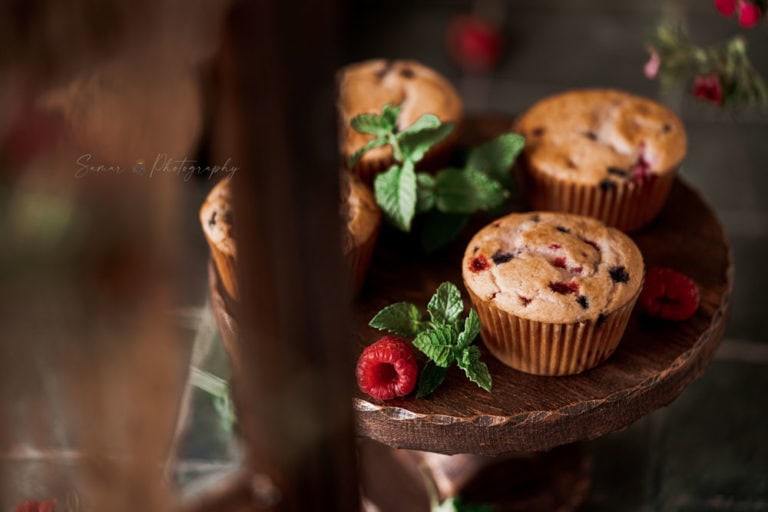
<point x="499" y="432"/>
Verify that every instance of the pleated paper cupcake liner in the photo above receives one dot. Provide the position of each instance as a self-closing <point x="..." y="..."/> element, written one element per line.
<point x="359" y="260"/>
<point x="543" y="348"/>
<point x="625" y="206"/>
<point x="226" y="265"/>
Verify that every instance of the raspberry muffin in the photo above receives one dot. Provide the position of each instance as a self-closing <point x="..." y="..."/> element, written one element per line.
<point x="602" y="153"/>
<point x="362" y="221"/>
<point x="553" y="291"/>
<point x="367" y="86"/>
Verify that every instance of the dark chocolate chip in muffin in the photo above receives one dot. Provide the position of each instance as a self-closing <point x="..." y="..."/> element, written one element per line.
<point x="583" y="301"/>
<point x="619" y="274"/>
<point x="500" y="257"/>
<point x="538" y="131"/>
<point x="616" y="171"/>
<point x="600" y="320"/>
<point x="524" y="300"/>
<point x="666" y="128"/>
<point x="407" y="73"/>
<point x="562" y="229"/>
<point x="212" y="220"/>
<point x="590" y="135"/>
<point x="606" y="185"/>
<point x="536" y="218"/>
<point x="475" y="249"/>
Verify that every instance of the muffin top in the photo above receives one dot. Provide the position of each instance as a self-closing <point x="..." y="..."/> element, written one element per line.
<point x="553" y="267"/>
<point x="216" y="218"/>
<point x="365" y="87"/>
<point x="592" y="135"/>
<point x="362" y="213"/>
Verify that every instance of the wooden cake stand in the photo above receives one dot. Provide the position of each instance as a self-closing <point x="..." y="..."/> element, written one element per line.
<point x="528" y="414"/>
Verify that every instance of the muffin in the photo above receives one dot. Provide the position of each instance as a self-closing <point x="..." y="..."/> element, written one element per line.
<point x="367" y="86"/>
<point x="216" y="219"/>
<point x="362" y="221"/>
<point x="553" y="291"/>
<point x="602" y="153"/>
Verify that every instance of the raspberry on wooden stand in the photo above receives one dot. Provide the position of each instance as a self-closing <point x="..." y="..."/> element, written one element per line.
<point x="387" y="369"/>
<point x="669" y="295"/>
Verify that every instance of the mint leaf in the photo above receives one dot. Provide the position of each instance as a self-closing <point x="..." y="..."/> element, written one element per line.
<point x="425" y="122"/>
<point x="390" y="114"/>
<point x="374" y="124"/>
<point x="471" y="329"/>
<point x="439" y="228"/>
<point x="415" y="143"/>
<point x="401" y="318"/>
<point x="438" y="344"/>
<point x="465" y="191"/>
<point x="456" y="505"/>
<point x="425" y="192"/>
<point x="445" y="306"/>
<point x="476" y="370"/>
<point x="430" y="378"/>
<point x="395" y="192"/>
<point x="357" y="155"/>
<point x="495" y="158"/>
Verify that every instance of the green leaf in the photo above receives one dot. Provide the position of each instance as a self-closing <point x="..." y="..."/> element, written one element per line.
<point x="357" y="155"/>
<point x="425" y="192"/>
<point x="401" y="318"/>
<point x="466" y="191"/>
<point x="390" y="114"/>
<point x="495" y="158"/>
<point x="430" y="378"/>
<point x="438" y="344"/>
<point x="425" y="122"/>
<point x="372" y="123"/>
<point x="445" y="306"/>
<point x="395" y="192"/>
<point x="439" y="228"/>
<point x="456" y="505"/>
<point x="476" y="370"/>
<point x="421" y="136"/>
<point x="471" y="329"/>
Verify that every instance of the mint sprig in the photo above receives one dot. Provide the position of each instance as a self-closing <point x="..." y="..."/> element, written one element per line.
<point x="445" y="339"/>
<point x="452" y="194"/>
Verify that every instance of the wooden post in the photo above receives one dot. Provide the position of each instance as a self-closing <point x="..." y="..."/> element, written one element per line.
<point x="293" y="392"/>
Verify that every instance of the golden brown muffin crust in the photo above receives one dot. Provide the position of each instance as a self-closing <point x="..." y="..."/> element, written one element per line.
<point x="216" y="218"/>
<point x="555" y="268"/>
<point x="366" y="87"/>
<point x="590" y="135"/>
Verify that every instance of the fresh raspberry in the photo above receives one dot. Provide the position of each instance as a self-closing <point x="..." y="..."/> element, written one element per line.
<point x="34" y="506"/>
<point x="669" y="295"/>
<point x="387" y="369"/>
<point x="726" y="7"/>
<point x="749" y="14"/>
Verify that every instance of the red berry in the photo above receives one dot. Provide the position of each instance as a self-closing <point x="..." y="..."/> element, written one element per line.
<point x="669" y="295"/>
<point x="478" y="264"/>
<point x="726" y="7"/>
<point x="474" y="43"/>
<point x="708" y="88"/>
<point x="387" y="369"/>
<point x="749" y="14"/>
<point x="34" y="506"/>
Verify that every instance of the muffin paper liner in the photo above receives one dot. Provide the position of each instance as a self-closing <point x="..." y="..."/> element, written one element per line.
<point x="359" y="260"/>
<point x="226" y="265"/>
<point x="543" y="348"/>
<point x="627" y="206"/>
